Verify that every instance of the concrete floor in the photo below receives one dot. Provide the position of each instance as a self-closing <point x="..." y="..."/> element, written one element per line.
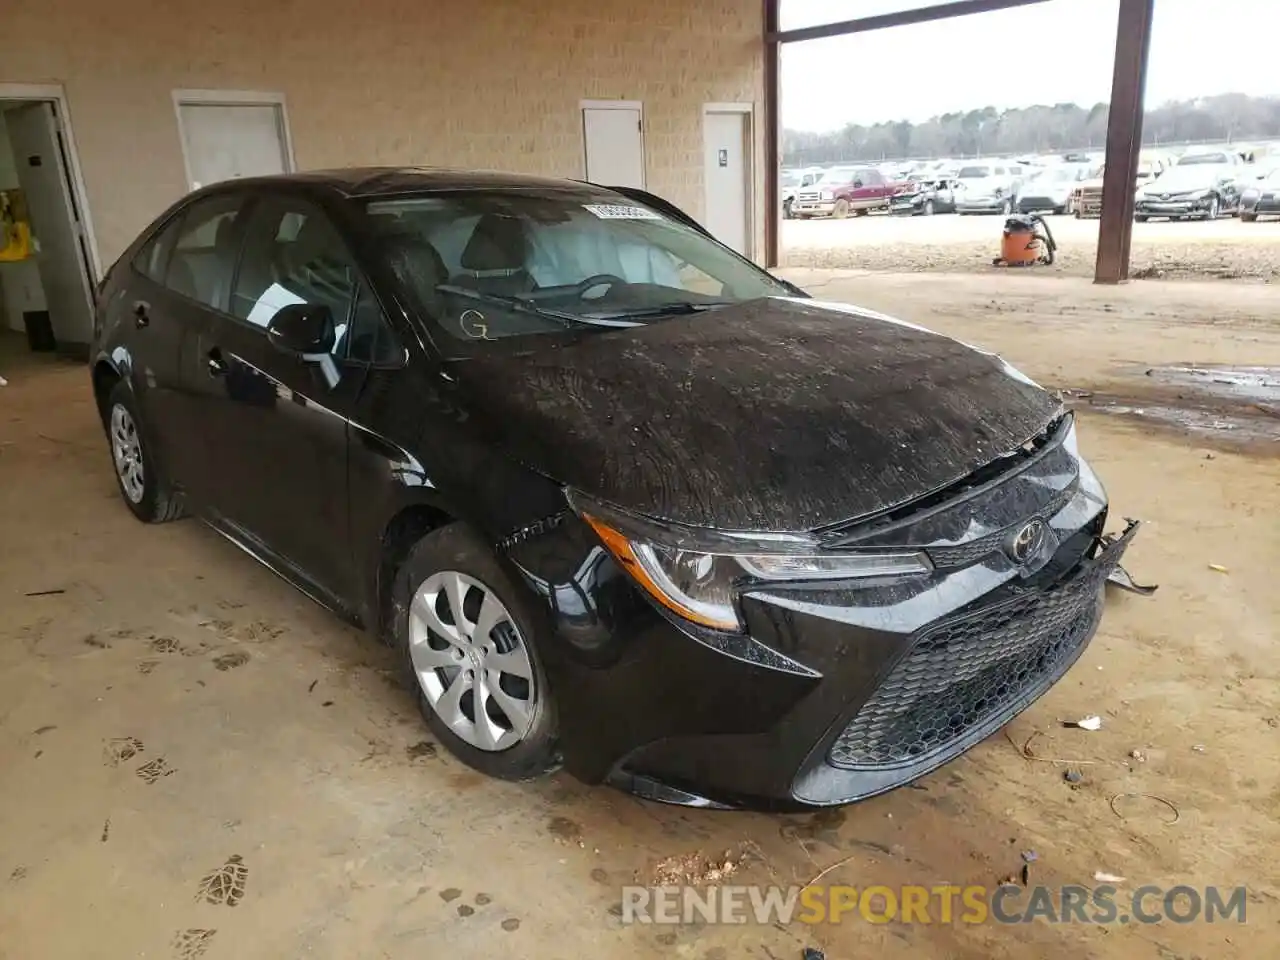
<point x="196" y="760"/>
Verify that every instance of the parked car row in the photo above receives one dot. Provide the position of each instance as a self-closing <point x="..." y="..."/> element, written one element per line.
<point x="1202" y="184"/>
<point x="1198" y="182"/>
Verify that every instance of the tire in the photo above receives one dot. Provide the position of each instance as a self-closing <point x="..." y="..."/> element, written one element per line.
<point x="1215" y="209"/>
<point x="1006" y="208"/>
<point x="1249" y="217"/>
<point x="429" y="656"/>
<point x="928" y="208"/>
<point x="786" y="210"/>
<point x="841" y="209"/>
<point x="1079" y="215"/>
<point x="145" y="488"/>
<point x="861" y="212"/>
<point x="1141" y="217"/>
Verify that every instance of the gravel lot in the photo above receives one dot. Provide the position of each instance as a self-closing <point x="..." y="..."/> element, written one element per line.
<point x="1227" y="249"/>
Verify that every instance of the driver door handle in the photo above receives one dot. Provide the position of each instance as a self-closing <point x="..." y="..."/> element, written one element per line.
<point x="217" y="365"/>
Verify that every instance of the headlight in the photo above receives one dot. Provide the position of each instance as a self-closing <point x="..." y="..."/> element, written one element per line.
<point x="701" y="583"/>
<point x="1199" y="194"/>
<point x="828" y="195"/>
<point x="1249" y="195"/>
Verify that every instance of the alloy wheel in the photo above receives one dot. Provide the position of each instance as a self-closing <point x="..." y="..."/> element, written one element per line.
<point x="126" y="451"/>
<point x="471" y="661"/>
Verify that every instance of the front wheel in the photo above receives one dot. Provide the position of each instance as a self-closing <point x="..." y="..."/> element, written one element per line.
<point x="1006" y="208"/>
<point x="1215" y="209"/>
<point x="466" y="637"/>
<point x="841" y="210"/>
<point x="928" y="208"/>
<point x="786" y="210"/>
<point x="146" y="492"/>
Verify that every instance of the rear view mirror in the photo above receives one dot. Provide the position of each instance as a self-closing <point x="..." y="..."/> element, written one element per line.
<point x="303" y="328"/>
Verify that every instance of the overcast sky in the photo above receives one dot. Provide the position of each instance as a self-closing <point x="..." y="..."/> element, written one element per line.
<point x="1060" y="51"/>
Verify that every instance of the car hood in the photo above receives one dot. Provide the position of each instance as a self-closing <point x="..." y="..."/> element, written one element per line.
<point x="1048" y="188"/>
<point x="775" y="414"/>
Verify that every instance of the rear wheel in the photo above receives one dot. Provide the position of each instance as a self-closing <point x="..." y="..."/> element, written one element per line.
<point x="841" y="210"/>
<point x="145" y="490"/>
<point x="466" y="637"/>
<point x="1215" y="209"/>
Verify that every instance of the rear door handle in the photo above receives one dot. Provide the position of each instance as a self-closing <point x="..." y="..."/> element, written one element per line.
<point x="217" y="365"/>
<point x="141" y="313"/>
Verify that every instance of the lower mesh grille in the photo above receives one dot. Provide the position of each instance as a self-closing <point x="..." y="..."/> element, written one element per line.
<point x="961" y="674"/>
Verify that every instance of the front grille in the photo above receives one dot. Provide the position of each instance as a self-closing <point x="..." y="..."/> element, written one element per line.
<point x="962" y="674"/>
<point x="963" y="554"/>
<point x="809" y="195"/>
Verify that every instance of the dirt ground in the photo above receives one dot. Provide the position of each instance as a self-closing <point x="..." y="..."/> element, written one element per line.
<point x="197" y="761"/>
<point x="1226" y="249"/>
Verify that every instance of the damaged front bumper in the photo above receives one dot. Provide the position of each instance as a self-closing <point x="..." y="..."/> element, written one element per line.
<point x="838" y="691"/>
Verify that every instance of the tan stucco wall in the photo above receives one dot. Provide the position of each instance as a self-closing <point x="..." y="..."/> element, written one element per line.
<point x="487" y="83"/>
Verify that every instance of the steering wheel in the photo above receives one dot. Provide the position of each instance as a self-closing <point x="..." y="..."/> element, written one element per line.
<point x="599" y="280"/>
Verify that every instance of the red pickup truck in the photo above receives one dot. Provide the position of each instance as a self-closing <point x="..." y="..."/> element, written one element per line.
<point x="844" y="190"/>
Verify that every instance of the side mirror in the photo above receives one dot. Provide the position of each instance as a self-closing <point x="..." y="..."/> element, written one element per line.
<point x="857" y="184"/>
<point x="303" y="328"/>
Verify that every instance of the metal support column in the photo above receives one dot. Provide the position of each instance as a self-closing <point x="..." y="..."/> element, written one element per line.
<point x="772" y="134"/>
<point x="1124" y="140"/>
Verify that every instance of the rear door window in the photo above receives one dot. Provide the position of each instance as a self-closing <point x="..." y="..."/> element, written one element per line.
<point x="204" y="248"/>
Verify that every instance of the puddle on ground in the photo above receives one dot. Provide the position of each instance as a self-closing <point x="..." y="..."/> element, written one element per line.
<point x="1258" y="384"/>
<point x="1234" y="405"/>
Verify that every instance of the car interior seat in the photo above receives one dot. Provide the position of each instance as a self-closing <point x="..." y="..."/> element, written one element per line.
<point x="495" y="259"/>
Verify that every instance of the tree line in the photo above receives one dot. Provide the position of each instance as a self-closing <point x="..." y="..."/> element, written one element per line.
<point x="1036" y="129"/>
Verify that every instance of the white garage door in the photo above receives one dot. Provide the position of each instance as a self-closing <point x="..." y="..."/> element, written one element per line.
<point x="227" y="141"/>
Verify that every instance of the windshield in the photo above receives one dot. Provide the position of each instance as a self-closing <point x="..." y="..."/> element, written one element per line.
<point x="1056" y="175"/>
<point x="791" y="179"/>
<point x="839" y="175"/>
<point x="487" y="265"/>
<point x="973" y="173"/>
<point x="1204" y="158"/>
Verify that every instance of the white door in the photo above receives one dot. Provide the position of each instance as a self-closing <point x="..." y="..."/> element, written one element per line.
<point x="615" y="145"/>
<point x="39" y="151"/>
<point x="226" y="141"/>
<point x="727" y="142"/>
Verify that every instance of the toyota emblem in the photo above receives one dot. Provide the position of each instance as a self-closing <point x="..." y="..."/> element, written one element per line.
<point x="1027" y="541"/>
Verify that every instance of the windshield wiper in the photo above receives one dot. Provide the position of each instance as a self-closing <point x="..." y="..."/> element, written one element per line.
<point x="679" y="308"/>
<point x="526" y="305"/>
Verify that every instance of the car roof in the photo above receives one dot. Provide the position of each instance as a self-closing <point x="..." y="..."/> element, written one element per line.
<point x="368" y="182"/>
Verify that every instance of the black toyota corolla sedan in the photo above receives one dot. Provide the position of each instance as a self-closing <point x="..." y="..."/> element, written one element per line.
<point x="621" y="499"/>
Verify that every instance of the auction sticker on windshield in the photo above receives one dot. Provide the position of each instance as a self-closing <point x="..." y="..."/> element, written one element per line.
<point x="620" y="211"/>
